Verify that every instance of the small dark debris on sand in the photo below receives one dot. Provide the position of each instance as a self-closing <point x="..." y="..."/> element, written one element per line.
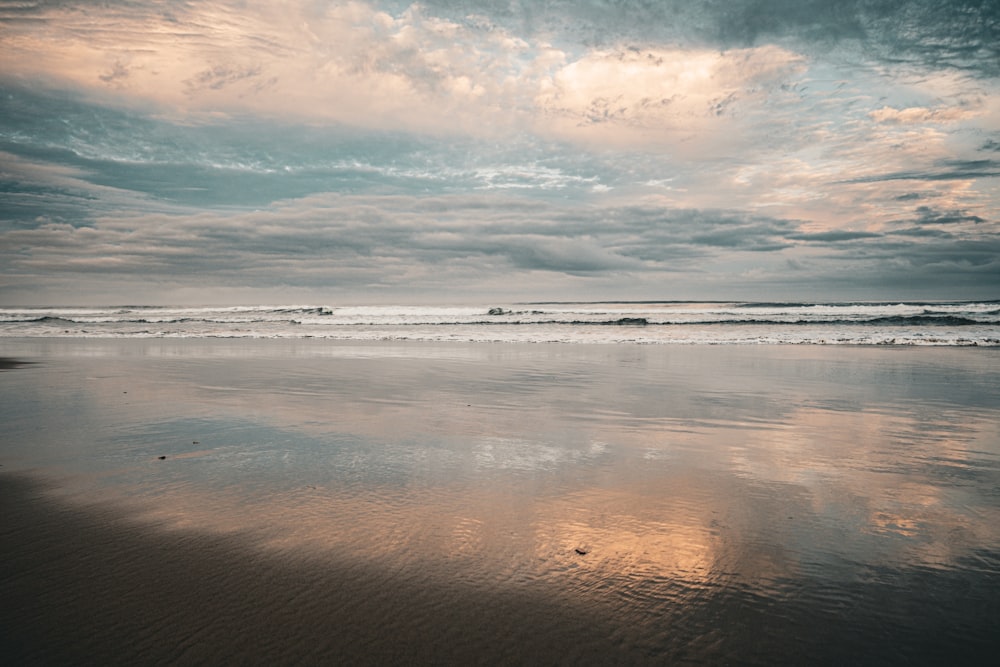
<point x="581" y="550"/>
<point x="6" y="363"/>
<point x="161" y="457"/>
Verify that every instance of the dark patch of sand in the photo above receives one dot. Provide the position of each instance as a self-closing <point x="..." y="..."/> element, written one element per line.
<point x="6" y="363"/>
<point x="88" y="585"/>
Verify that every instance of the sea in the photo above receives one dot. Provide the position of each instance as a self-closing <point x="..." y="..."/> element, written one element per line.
<point x="934" y="323"/>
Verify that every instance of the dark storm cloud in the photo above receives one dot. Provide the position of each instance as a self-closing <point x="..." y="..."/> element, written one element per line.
<point x="926" y="232"/>
<point x="927" y="215"/>
<point x="956" y="34"/>
<point x="921" y="258"/>
<point x="664" y="235"/>
<point x="836" y="236"/>
<point x="352" y="240"/>
<point x="960" y="34"/>
<point x="943" y="262"/>
<point x="756" y="236"/>
<point x="944" y="170"/>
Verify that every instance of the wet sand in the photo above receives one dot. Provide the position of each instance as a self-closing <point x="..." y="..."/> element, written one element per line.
<point x="90" y="586"/>
<point x="426" y="504"/>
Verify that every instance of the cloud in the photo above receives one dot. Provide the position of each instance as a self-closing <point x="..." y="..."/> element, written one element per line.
<point x="635" y="95"/>
<point x="931" y="216"/>
<point x="958" y="35"/>
<point x="836" y="236"/>
<point x="384" y="243"/>
<point x="221" y="76"/>
<point x="398" y="148"/>
<point x="918" y="115"/>
<point x="924" y="232"/>
<point x="354" y="63"/>
<point x="945" y="170"/>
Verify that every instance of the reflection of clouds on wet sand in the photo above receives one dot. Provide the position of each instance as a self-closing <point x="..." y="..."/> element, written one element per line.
<point x="676" y="471"/>
<point x="528" y="455"/>
<point x="892" y="486"/>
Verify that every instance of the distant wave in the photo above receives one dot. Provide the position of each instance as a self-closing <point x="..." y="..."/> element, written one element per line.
<point x="196" y="327"/>
<point x="933" y="320"/>
<point x="937" y="319"/>
<point x="899" y="320"/>
<point x="46" y="318"/>
<point x="647" y="322"/>
<point x="118" y="320"/>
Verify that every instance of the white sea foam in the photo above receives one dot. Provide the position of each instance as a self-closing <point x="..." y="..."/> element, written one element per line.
<point x="911" y="323"/>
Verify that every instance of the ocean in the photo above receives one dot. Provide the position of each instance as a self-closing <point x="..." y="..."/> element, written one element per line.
<point x="855" y="323"/>
<point x="654" y="483"/>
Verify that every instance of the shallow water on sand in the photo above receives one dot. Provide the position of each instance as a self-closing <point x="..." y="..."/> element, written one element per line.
<point x="744" y="504"/>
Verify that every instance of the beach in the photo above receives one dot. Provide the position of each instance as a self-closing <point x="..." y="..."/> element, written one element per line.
<point x="197" y="501"/>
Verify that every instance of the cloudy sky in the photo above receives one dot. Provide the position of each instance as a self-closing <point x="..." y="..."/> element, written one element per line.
<point x="162" y="151"/>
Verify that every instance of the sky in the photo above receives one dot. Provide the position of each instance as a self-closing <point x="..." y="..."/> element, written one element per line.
<point x="465" y="151"/>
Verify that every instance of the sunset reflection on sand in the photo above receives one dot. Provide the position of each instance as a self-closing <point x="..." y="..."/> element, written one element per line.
<point x="666" y="489"/>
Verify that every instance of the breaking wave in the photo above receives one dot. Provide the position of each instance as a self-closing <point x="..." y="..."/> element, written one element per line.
<point x="862" y="323"/>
